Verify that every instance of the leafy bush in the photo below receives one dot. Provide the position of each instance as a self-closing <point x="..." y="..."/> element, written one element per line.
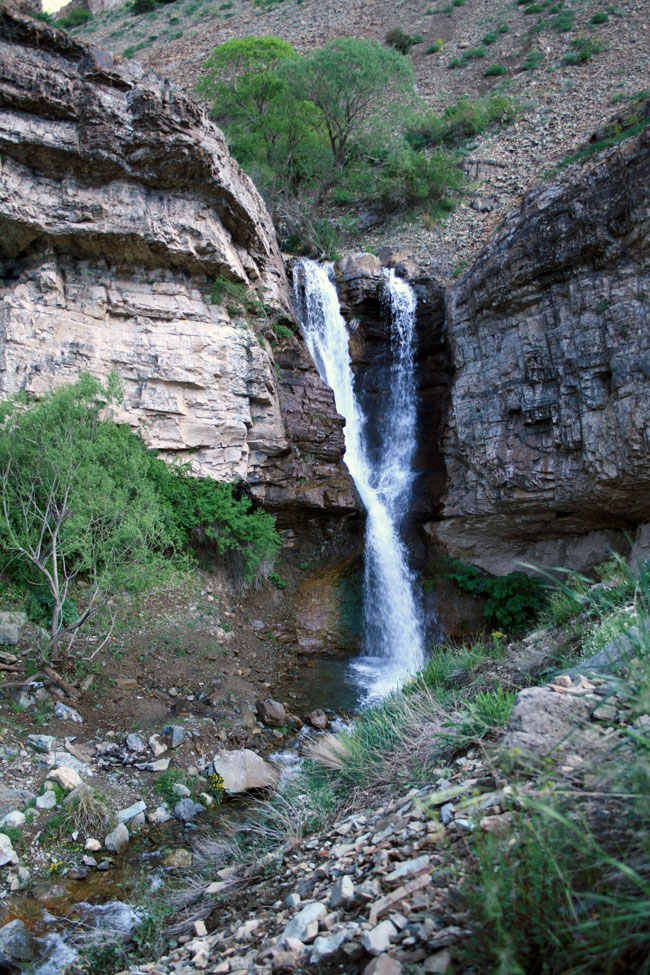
<point x="495" y="70"/>
<point x="463" y="120"/>
<point x="401" y="41"/>
<point x="143" y="6"/>
<point x="435" y="47"/>
<point x="491" y="38"/>
<point x="75" y="18"/>
<point x="510" y="600"/>
<point x="584" y="49"/>
<point x="532" y="61"/>
<point x="599" y="18"/>
<point x="40" y="606"/>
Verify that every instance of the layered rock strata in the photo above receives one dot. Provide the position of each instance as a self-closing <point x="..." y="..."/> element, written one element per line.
<point x="119" y="206"/>
<point x="546" y="446"/>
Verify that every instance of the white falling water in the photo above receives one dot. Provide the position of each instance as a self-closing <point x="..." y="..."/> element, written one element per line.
<point x="393" y="645"/>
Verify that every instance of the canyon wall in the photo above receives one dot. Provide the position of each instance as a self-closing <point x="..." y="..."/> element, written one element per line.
<point x="547" y="443"/>
<point x="119" y="208"/>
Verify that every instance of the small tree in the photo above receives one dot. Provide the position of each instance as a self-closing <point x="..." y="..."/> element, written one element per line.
<point x="76" y="502"/>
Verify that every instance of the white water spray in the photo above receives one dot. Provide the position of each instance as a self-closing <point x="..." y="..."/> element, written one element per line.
<point x="393" y="645"/>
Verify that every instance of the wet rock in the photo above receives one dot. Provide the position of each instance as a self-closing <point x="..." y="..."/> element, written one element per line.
<point x="124" y="815"/>
<point x="8" y="855"/>
<point x="135" y="744"/>
<point x="118" y="840"/>
<point x="176" y="734"/>
<point x="272" y="712"/>
<point x="13" y="819"/>
<point x="66" y="777"/>
<point x="304" y="926"/>
<point x="243" y="770"/>
<point x="41" y="743"/>
<point x="186" y="810"/>
<point x="16" y="945"/>
<point x="318" y="719"/>
<point x="11" y="628"/>
<point x="378" y="939"/>
<point x="47" y="800"/>
<point x="65" y="713"/>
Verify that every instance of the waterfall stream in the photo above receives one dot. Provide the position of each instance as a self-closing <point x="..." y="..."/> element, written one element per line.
<point x="393" y="642"/>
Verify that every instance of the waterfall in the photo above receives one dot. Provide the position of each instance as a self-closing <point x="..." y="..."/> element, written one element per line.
<point x="393" y="644"/>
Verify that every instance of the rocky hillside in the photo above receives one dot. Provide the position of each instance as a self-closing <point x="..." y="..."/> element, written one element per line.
<point x="563" y="103"/>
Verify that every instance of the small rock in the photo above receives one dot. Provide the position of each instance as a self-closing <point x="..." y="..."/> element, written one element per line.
<point x="407" y="869"/>
<point x="66" y="713"/>
<point x="325" y="947"/>
<point x="272" y="712"/>
<point x="378" y="939"/>
<point x="201" y="959"/>
<point x="65" y="776"/>
<point x="118" y="840"/>
<point x="187" y="810"/>
<point x="318" y="719"/>
<point x="447" y="813"/>
<point x="243" y="770"/>
<point x="41" y="743"/>
<point x="135" y="744"/>
<point x="181" y="790"/>
<point x="438" y="963"/>
<point x="162" y="814"/>
<point x="157" y="747"/>
<point x="13" y="819"/>
<point x="176" y="734"/>
<point x="7" y="853"/>
<point x="292" y="900"/>
<point x="89" y="861"/>
<point x="160" y="765"/>
<point x="246" y="931"/>
<point x="200" y="929"/>
<point x="178" y="858"/>
<point x="92" y="845"/>
<point x="16" y="944"/>
<point x="47" y="800"/>
<point x="342" y="894"/>
<point x="299" y="926"/>
<point x="383" y="965"/>
<point x="124" y="815"/>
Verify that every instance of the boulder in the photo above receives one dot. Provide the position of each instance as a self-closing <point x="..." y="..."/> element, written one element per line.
<point x="7" y="853"/>
<point x="542" y="721"/>
<point x="13" y="819"/>
<point x="186" y="810"/>
<point x="41" y="743"/>
<point x="66" y="777"/>
<point x="47" y="800"/>
<point x="11" y="628"/>
<point x="118" y="840"/>
<point x="318" y="719"/>
<point x="175" y="733"/>
<point x="243" y="770"/>
<point x="16" y="945"/>
<point x="272" y="712"/>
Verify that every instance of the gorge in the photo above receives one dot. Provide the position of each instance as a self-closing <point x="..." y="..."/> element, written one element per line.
<point x="391" y="418"/>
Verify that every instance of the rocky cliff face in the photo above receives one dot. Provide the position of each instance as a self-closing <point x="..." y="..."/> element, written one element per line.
<point x="546" y="447"/>
<point x="119" y="205"/>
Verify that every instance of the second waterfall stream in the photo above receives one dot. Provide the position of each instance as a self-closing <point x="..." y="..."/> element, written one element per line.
<point x="393" y="640"/>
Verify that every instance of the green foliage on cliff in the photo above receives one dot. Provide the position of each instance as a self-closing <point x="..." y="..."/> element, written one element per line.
<point x="326" y="128"/>
<point x="510" y="600"/>
<point x="82" y="499"/>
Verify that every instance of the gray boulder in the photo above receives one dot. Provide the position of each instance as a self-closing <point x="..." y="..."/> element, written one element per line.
<point x="41" y="743"/>
<point x="16" y="945"/>
<point x="11" y="628"/>
<point x="543" y="720"/>
<point x="186" y="810"/>
<point x="272" y="712"/>
<point x="118" y="840"/>
<point x="65" y="713"/>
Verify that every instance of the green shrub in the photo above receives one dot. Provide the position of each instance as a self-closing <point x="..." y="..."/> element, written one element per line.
<point x="510" y="600"/>
<point x="599" y="18"/>
<point x="40" y="606"/>
<point x="463" y="120"/>
<point x="584" y="49"/>
<point x="143" y="6"/>
<point x="503" y="29"/>
<point x="401" y="41"/>
<point x="490" y="38"/>
<point x="165" y="782"/>
<point x="435" y="47"/>
<point x="495" y="70"/>
<point x="489" y="710"/>
<point x="75" y="18"/>
<point x="532" y="61"/>
<point x="564" y="21"/>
